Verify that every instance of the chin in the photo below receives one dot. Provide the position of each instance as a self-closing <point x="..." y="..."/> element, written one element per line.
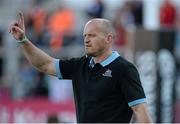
<point x="90" y="54"/>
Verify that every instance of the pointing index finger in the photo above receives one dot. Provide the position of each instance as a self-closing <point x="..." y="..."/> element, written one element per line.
<point x="21" y="20"/>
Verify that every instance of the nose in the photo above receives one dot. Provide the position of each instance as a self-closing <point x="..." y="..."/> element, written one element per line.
<point x="86" y="40"/>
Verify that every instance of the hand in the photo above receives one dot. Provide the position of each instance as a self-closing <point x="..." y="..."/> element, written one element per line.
<point x="17" y="29"/>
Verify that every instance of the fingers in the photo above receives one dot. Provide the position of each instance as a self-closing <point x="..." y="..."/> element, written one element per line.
<point x="17" y="32"/>
<point x="19" y="24"/>
<point x="14" y="27"/>
<point x="21" y="20"/>
<point x="17" y="28"/>
<point x="11" y="25"/>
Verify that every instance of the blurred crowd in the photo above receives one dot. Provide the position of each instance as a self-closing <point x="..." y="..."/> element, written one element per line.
<point x="56" y="29"/>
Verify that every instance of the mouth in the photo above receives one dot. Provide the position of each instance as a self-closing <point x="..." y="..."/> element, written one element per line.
<point x="88" y="45"/>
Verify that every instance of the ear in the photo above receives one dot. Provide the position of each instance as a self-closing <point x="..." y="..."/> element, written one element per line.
<point x="109" y="38"/>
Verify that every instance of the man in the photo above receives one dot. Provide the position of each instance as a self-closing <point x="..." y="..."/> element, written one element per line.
<point x="106" y="87"/>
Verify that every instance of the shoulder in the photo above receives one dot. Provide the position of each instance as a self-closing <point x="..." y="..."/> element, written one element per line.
<point x="77" y="60"/>
<point x="123" y="65"/>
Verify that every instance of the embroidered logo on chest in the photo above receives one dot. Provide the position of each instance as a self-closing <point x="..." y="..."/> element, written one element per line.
<point x="107" y="73"/>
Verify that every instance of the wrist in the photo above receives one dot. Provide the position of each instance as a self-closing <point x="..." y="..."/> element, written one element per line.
<point x="23" y="40"/>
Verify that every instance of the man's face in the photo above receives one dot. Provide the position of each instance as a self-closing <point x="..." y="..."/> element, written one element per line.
<point x="94" y="40"/>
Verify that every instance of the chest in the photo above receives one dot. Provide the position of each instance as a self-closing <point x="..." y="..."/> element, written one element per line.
<point x="98" y="83"/>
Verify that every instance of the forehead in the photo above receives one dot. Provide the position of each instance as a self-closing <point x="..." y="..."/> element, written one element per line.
<point x="92" y="27"/>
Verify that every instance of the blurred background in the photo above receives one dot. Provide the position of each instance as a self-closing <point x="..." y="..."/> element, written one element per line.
<point x="148" y="35"/>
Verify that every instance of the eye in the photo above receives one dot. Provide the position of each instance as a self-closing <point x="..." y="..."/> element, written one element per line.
<point x="92" y="35"/>
<point x="89" y="35"/>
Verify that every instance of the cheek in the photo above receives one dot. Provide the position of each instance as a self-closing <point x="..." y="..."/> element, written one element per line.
<point x="99" y="45"/>
<point x="101" y="42"/>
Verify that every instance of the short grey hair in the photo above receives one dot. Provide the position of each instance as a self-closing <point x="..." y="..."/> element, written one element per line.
<point x="106" y="25"/>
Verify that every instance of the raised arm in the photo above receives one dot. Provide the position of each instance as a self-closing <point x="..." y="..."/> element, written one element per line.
<point x="35" y="56"/>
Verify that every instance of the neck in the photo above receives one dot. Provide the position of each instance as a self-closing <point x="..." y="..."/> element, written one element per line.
<point x="102" y="57"/>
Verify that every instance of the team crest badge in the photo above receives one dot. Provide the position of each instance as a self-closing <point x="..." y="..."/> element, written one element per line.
<point x="107" y="73"/>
